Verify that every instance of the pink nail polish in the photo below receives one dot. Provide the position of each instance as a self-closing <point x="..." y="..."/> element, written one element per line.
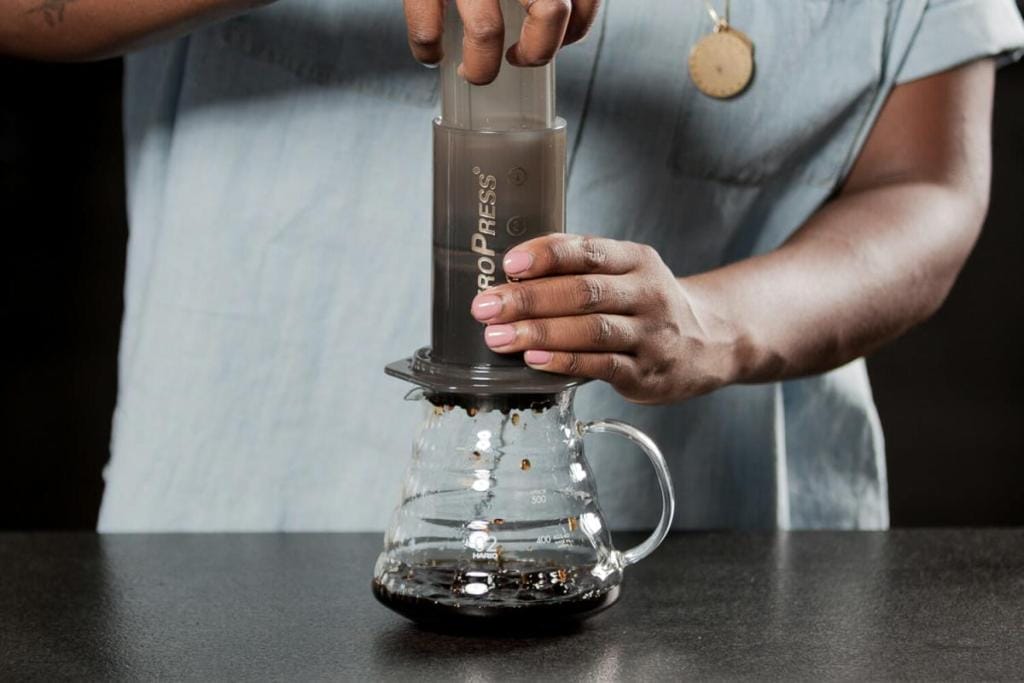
<point x="497" y="336"/>
<point x="517" y="262"/>
<point x="486" y="306"/>
<point x="538" y="357"/>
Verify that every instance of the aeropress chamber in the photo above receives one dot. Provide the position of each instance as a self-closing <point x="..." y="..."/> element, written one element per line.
<point x="499" y="180"/>
<point x="498" y="524"/>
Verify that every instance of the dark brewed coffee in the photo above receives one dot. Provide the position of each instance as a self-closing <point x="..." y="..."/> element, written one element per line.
<point x="544" y="615"/>
<point x="511" y="598"/>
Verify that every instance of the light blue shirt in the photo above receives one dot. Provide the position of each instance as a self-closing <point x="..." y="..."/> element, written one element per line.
<point x="279" y="199"/>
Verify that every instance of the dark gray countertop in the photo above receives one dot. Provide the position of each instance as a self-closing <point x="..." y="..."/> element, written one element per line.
<point x="907" y="604"/>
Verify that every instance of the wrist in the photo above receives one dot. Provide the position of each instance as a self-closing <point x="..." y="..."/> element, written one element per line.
<point x="726" y="348"/>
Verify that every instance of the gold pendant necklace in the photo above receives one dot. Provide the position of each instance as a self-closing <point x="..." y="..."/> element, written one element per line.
<point x="722" y="62"/>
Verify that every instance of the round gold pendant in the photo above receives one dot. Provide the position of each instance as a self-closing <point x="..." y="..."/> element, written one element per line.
<point x="722" y="63"/>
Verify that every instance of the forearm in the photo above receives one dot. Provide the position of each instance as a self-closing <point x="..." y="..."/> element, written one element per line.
<point x="79" y="30"/>
<point x="867" y="267"/>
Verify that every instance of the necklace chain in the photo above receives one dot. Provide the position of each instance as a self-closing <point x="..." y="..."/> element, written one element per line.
<point x="721" y="20"/>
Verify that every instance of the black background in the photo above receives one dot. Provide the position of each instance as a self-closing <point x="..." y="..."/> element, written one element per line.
<point x="949" y="392"/>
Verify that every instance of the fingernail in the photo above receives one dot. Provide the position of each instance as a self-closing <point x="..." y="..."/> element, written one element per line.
<point x="517" y="262"/>
<point x="538" y="357"/>
<point x="486" y="306"/>
<point x="499" y="335"/>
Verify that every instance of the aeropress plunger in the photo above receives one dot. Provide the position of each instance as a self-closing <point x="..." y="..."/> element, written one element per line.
<point x="499" y="524"/>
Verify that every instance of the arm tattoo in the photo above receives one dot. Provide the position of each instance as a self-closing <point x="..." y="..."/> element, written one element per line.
<point x="52" y="10"/>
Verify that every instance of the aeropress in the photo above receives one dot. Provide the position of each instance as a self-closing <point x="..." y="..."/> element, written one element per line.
<point x="499" y="524"/>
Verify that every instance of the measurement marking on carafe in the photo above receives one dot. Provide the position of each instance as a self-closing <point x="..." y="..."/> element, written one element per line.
<point x="549" y="540"/>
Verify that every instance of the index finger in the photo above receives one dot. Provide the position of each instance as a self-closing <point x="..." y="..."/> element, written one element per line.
<point x="424" y="20"/>
<point x="543" y="32"/>
<point x="568" y="254"/>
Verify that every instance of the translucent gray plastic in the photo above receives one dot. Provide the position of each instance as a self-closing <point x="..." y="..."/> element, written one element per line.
<point x="518" y="98"/>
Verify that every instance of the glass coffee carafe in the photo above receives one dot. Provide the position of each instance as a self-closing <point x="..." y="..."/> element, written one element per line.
<point x="499" y="516"/>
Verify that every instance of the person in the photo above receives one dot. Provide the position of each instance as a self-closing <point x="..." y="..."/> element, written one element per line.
<point x="279" y="199"/>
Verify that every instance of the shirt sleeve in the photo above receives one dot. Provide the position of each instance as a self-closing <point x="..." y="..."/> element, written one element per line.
<point x="954" y="32"/>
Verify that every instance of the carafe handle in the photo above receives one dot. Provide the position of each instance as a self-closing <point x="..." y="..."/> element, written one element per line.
<point x="668" y="499"/>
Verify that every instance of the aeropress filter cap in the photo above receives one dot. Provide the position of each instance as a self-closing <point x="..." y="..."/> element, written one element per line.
<point x="499" y="180"/>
